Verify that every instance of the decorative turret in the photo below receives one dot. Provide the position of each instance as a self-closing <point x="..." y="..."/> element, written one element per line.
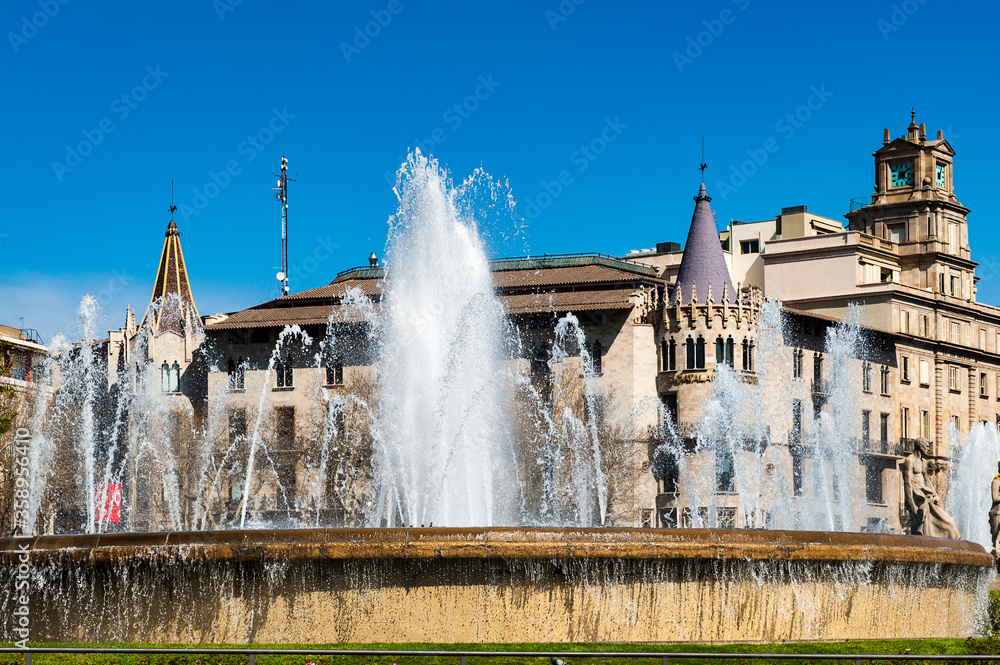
<point x="172" y="303"/>
<point x="704" y="263"/>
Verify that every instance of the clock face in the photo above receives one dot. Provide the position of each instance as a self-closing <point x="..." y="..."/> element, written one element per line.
<point x="902" y="174"/>
<point x="940" y="175"/>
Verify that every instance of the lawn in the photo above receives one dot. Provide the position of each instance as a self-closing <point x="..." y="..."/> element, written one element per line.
<point x="889" y="647"/>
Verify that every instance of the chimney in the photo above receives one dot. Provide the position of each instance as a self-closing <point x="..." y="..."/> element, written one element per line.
<point x="885" y="136"/>
<point x="923" y="132"/>
<point x="373" y="260"/>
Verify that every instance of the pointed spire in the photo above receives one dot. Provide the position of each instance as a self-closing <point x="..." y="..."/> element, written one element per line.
<point x="172" y="303"/>
<point x="703" y="260"/>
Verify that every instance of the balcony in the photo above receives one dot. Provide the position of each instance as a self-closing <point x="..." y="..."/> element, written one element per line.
<point x="877" y="243"/>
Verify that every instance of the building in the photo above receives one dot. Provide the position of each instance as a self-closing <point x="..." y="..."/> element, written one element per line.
<point x="659" y="325"/>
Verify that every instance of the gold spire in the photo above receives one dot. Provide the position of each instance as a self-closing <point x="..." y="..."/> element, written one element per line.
<point x="172" y="301"/>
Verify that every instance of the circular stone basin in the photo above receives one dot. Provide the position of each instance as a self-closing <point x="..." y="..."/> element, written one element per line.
<point x="497" y="584"/>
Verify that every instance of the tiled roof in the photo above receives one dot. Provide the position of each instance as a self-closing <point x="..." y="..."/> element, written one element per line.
<point x="567" y="301"/>
<point x="335" y="289"/>
<point x="703" y="262"/>
<point x="523" y="285"/>
<point x="283" y="316"/>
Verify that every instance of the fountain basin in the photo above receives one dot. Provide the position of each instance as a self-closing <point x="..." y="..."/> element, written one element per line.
<point x="495" y="585"/>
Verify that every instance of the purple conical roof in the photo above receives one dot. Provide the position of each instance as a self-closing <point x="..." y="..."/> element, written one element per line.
<point x="703" y="261"/>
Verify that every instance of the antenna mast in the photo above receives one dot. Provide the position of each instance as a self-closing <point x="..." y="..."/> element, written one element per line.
<point x="281" y="194"/>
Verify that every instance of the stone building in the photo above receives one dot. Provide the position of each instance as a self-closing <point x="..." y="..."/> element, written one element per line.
<point x="660" y="324"/>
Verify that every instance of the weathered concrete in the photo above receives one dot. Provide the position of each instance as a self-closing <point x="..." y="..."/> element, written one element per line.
<point x="496" y="585"/>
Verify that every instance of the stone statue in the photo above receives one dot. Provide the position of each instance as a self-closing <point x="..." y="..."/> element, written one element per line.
<point x="928" y="517"/>
<point x="995" y="511"/>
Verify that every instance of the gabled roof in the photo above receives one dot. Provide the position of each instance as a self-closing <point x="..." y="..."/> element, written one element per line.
<point x="704" y="263"/>
<point x="172" y="300"/>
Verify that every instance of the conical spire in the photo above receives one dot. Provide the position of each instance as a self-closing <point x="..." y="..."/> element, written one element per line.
<point x="171" y="301"/>
<point x="703" y="261"/>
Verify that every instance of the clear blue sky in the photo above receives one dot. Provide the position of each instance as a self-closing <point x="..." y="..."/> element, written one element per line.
<point x="199" y="79"/>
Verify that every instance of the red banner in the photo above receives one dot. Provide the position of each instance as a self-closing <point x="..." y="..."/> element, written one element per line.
<point x="108" y="502"/>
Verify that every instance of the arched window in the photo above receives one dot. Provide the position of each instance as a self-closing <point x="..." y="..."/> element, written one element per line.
<point x="720" y="351"/>
<point x="689" y="353"/>
<point x="175" y="378"/>
<point x="730" y="347"/>
<point x="283" y="374"/>
<point x="746" y="355"/>
<point x="664" y="362"/>
<point x="165" y="377"/>
<point x="750" y="358"/>
<point x="672" y="356"/>
<point x="595" y="356"/>
<point x="335" y="372"/>
<point x="700" y="353"/>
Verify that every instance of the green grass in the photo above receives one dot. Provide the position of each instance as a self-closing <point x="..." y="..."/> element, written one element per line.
<point x="952" y="646"/>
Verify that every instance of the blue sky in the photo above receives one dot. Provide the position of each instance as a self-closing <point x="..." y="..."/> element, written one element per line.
<point x="617" y="94"/>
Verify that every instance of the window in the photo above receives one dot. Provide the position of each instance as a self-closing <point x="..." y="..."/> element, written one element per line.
<point x="904" y="321"/>
<point x="237" y="426"/>
<point x="672" y="355"/>
<point x="595" y="358"/>
<point x="955" y="423"/>
<point x="664" y="363"/>
<point x="956" y="333"/>
<point x="817" y="373"/>
<point x="873" y="483"/>
<point x="925" y="326"/>
<point x="866" y="377"/>
<point x="983" y="388"/>
<point x="284" y="427"/>
<point x="335" y="372"/>
<point x="724" y="472"/>
<point x="746" y="355"/>
<point x="749" y="359"/>
<point x="796" y="435"/>
<point x="699" y="353"/>
<point x="866" y="428"/>
<point x="884" y="383"/>
<point x="236" y="374"/>
<point x="925" y="424"/>
<point x="797" y="363"/>
<point x="724" y="351"/>
<point x="897" y="233"/>
<point x="956" y="287"/>
<point x="883" y="431"/>
<point x="953" y="379"/>
<point x="175" y="378"/>
<point x="165" y="377"/>
<point x="904" y="369"/>
<point x="904" y="423"/>
<point x="797" y="455"/>
<point x="750" y="246"/>
<point x="925" y="373"/>
<point x="689" y="353"/>
<point x="953" y="246"/>
<point x="283" y="374"/>
<point x="982" y="338"/>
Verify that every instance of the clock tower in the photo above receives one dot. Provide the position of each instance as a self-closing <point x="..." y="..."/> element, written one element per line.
<point x="915" y="208"/>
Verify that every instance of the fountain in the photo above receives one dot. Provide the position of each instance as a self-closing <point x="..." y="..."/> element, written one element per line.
<point x="520" y="475"/>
